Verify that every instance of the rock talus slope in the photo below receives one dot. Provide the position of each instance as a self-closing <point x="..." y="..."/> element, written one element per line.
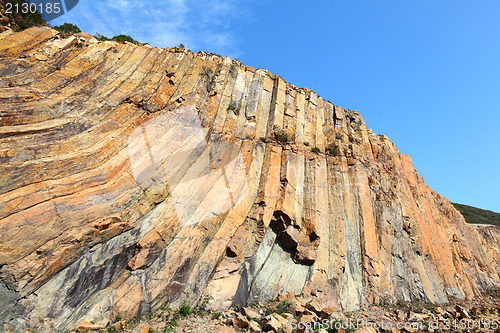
<point x="135" y="177"/>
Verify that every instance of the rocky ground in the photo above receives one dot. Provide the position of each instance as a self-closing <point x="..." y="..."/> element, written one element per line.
<point x="291" y="314"/>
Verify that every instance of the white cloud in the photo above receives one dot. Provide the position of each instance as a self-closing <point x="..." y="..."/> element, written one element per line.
<point x="199" y="25"/>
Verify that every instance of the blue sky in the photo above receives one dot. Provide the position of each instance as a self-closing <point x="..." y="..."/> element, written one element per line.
<point x="424" y="73"/>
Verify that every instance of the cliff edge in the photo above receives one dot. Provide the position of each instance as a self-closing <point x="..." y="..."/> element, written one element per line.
<point x="136" y="177"/>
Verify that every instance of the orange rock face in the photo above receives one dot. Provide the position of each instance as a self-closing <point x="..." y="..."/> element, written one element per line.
<point x="135" y="177"/>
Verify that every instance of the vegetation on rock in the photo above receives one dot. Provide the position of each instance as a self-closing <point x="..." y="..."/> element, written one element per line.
<point x="208" y="76"/>
<point x="233" y="106"/>
<point x="118" y="38"/>
<point x="17" y="20"/>
<point x="334" y="151"/>
<point x="477" y="215"/>
<point x="68" y="28"/>
<point x="280" y="135"/>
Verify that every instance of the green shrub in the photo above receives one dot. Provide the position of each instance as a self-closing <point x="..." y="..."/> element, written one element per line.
<point x="338" y="136"/>
<point x="110" y="329"/>
<point x="100" y="37"/>
<point x="205" y="70"/>
<point x="280" y="135"/>
<point x="171" y="322"/>
<point x="333" y="151"/>
<point x="118" y="318"/>
<point x="185" y="309"/>
<point x="124" y="38"/>
<point x="68" y="28"/>
<point x="262" y="139"/>
<point x="149" y="315"/>
<point x="284" y="307"/>
<point x="316" y="150"/>
<point x="278" y="307"/>
<point x="118" y="38"/>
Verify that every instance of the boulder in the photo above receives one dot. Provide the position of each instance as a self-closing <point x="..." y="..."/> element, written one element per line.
<point x="254" y="327"/>
<point x="289" y="237"/>
<point x="315" y="306"/>
<point x="274" y="322"/>
<point x="251" y="313"/>
<point x="87" y="325"/>
<point x="239" y="321"/>
<point x="326" y="312"/>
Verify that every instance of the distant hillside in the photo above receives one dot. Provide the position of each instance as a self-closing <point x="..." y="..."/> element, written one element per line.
<point x="477" y="215"/>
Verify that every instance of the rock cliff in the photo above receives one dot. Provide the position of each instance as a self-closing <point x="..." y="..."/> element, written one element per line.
<point x="135" y="177"/>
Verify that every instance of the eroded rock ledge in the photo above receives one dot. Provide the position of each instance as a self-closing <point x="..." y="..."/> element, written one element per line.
<point x="135" y="177"/>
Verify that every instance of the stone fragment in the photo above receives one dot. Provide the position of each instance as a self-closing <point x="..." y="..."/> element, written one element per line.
<point x="251" y="313"/>
<point x="308" y="318"/>
<point x="225" y="329"/>
<point x="119" y="324"/>
<point x="464" y="314"/>
<point x="314" y="306"/>
<point x="287" y="297"/>
<point x="307" y="254"/>
<point x="289" y="237"/>
<point x="297" y="307"/>
<point x="239" y="321"/>
<point x="254" y="327"/>
<point x="326" y="312"/>
<point x="64" y="43"/>
<point x="274" y="322"/>
<point x="87" y="325"/>
<point x="415" y="317"/>
<point x="474" y="311"/>
<point x="41" y="56"/>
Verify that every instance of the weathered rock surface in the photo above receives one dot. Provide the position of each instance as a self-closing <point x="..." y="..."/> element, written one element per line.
<point x="135" y="177"/>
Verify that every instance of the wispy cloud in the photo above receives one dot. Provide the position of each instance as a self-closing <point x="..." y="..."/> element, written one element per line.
<point x="199" y="25"/>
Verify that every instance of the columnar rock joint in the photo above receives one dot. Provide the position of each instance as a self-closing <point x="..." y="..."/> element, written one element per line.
<point x="135" y="177"/>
